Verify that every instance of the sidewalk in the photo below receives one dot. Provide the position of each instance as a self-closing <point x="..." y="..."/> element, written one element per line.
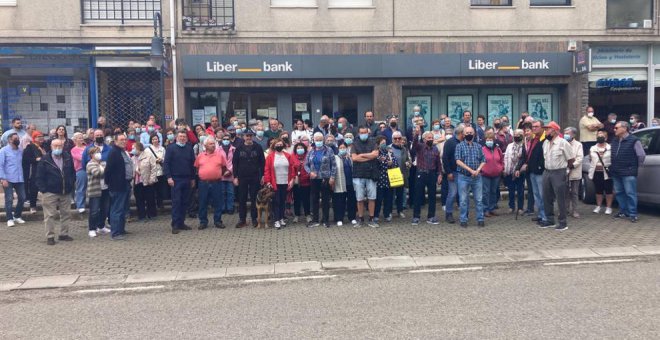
<point x="152" y="248"/>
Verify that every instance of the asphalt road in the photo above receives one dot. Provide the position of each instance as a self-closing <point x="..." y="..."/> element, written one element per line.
<point x="592" y="301"/>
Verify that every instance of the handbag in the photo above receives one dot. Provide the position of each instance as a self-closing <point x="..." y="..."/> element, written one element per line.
<point x="607" y="170"/>
<point x="395" y="176"/>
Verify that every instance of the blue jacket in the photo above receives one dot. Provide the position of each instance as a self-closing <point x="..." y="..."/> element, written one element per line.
<point x="625" y="161"/>
<point x="179" y="162"/>
<point x="115" y="171"/>
<point x="328" y="168"/>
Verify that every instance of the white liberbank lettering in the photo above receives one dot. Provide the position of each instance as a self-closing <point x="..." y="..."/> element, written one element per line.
<point x="478" y="64"/>
<point x="286" y="67"/>
<point x="535" y="65"/>
<point x="215" y="66"/>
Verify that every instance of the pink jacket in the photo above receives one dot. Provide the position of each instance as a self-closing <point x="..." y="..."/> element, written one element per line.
<point x="230" y="165"/>
<point x="494" y="162"/>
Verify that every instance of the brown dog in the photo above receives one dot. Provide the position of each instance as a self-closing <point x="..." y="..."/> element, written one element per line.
<point x="264" y="198"/>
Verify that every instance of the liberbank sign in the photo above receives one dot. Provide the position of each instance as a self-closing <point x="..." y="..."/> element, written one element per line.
<point x="376" y="66"/>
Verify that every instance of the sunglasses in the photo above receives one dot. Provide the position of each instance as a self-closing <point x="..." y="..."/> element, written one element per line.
<point x="396" y="138"/>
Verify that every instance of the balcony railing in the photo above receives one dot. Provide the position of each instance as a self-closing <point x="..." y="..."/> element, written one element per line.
<point x="208" y="13"/>
<point x="119" y="11"/>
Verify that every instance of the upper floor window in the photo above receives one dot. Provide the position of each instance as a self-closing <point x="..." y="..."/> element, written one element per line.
<point x="490" y="2"/>
<point x="350" y="3"/>
<point x="119" y="11"/>
<point x="629" y="13"/>
<point x="293" y="3"/>
<point x="549" y="2"/>
<point x="208" y="13"/>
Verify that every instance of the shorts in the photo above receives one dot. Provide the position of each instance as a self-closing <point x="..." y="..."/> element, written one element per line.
<point x="365" y="188"/>
<point x="602" y="185"/>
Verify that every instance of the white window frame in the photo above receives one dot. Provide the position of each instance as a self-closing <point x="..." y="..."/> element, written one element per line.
<point x="294" y="3"/>
<point x="351" y="4"/>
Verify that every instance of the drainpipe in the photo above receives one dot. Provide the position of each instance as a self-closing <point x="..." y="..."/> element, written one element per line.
<point x="175" y="81"/>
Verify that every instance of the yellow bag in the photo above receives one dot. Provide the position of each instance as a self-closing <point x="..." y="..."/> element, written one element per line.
<point x="396" y="177"/>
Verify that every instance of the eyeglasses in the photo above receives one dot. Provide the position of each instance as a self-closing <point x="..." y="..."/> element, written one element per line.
<point x="396" y="138"/>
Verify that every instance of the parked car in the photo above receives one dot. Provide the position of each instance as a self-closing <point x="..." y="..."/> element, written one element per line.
<point x="648" y="178"/>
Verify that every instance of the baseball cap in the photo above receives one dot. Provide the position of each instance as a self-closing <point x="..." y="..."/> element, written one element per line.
<point x="253" y="122"/>
<point x="552" y="125"/>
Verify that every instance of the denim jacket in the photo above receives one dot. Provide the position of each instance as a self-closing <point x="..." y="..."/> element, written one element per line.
<point x="328" y="167"/>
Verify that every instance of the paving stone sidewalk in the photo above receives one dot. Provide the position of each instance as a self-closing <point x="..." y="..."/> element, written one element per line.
<point x="152" y="248"/>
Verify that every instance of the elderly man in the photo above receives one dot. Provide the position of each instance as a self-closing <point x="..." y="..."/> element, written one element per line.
<point x="323" y="126"/>
<point x="559" y="157"/>
<point x="118" y="176"/>
<point x="390" y="130"/>
<point x="451" y="172"/>
<point x="145" y="137"/>
<point x="211" y="167"/>
<point x="215" y="124"/>
<point x="179" y="170"/>
<point x="470" y="160"/>
<point x="627" y="155"/>
<point x="274" y="130"/>
<point x="259" y="137"/>
<point x="589" y="126"/>
<point x="27" y="139"/>
<point x="56" y="179"/>
<point x="429" y="172"/>
<point x="12" y="178"/>
<point x="574" y="172"/>
<point x="343" y="126"/>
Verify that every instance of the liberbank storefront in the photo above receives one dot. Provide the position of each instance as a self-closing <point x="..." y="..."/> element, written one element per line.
<point x="288" y="87"/>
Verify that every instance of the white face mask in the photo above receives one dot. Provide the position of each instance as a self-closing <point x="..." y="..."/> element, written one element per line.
<point x="590" y="114"/>
<point x="97" y="156"/>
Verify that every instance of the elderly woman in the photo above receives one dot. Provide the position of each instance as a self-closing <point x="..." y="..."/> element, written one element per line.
<point x="491" y="173"/>
<point x="600" y="161"/>
<point x="515" y="152"/>
<point x="386" y="160"/>
<point x="145" y="167"/>
<point x="343" y="199"/>
<point x="402" y="154"/>
<point x="301" y="188"/>
<point x="322" y="169"/>
<point x="155" y="150"/>
<point x="81" y="173"/>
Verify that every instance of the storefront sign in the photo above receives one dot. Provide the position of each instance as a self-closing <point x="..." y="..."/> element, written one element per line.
<point x="582" y="62"/>
<point x="618" y="84"/>
<point x="619" y="55"/>
<point x="376" y="66"/>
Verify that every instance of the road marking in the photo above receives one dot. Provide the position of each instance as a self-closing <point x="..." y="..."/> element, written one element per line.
<point x="295" y="278"/>
<point x="127" y="289"/>
<point x="459" y="269"/>
<point x="587" y="262"/>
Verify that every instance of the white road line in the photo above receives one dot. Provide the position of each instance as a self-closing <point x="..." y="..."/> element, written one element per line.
<point x="295" y="278"/>
<point x="587" y="262"/>
<point x="127" y="289"/>
<point x="440" y="270"/>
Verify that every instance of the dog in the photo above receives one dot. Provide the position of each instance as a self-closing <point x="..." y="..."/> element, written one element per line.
<point x="264" y="199"/>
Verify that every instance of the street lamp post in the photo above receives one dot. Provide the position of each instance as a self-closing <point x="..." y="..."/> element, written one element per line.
<point x="157" y="59"/>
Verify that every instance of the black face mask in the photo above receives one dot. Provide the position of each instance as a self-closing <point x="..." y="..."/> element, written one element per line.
<point x="279" y="148"/>
<point x="393" y="125"/>
<point x="469" y="138"/>
<point x="600" y="140"/>
<point x="497" y="126"/>
<point x="429" y="142"/>
<point x="232" y="135"/>
<point x="16" y="142"/>
<point x="517" y="139"/>
<point x="99" y="140"/>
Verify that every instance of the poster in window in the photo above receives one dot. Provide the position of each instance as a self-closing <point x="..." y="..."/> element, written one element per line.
<point x="456" y="105"/>
<point x="209" y="111"/>
<point x="539" y="106"/>
<point x="240" y="114"/>
<point x="198" y="116"/>
<point x="498" y="107"/>
<point x="424" y="103"/>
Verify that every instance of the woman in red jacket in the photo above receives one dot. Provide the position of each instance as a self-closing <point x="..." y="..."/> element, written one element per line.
<point x="302" y="185"/>
<point x="279" y="172"/>
<point x="491" y="173"/>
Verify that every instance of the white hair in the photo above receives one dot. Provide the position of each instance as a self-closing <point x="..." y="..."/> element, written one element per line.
<point x="77" y="134"/>
<point x="318" y="134"/>
<point x="209" y="139"/>
<point x="396" y="134"/>
<point x="427" y="133"/>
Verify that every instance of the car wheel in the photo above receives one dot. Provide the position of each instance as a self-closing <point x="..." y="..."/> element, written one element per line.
<point x="587" y="190"/>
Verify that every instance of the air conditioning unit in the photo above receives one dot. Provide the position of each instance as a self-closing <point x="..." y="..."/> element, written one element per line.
<point x="648" y="24"/>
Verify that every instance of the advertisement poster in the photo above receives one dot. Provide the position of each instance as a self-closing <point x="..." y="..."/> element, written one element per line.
<point x="539" y="106"/>
<point x="498" y="107"/>
<point x="197" y="116"/>
<point x="209" y="111"/>
<point x="301" y="107"/>
<point x="424" y="102"/>
<point x="240" y="115"/>
<point x="272" y="112"/>
<point x="456" y="105"/>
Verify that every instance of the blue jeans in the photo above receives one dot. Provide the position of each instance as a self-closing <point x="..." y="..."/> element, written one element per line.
<point x="227" y="193"/>
<point x="452" y="192"/>
<point x="537" y="188"/>
<point x="118" y="210"/>
<point x="94" y="220"/>
<point x="81" y="188"/>
<point x="9" y="200"/>
<point x="490" y="192"/>
<point x="626" y="194"/>
<point x="384" y="195"/>
<point x="465" y="185"/>
<point x="213" y="191"/>
<point x="428" y="181"/>
<point x="517" y="190"/>
<point x="180" y="195"/>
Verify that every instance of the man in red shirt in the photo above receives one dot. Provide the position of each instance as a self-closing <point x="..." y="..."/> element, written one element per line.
<point x="211" y="167"/>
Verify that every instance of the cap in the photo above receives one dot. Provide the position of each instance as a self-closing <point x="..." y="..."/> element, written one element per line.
<point x="231" y="128"/>
<point x="36" y="134"/>
<point x="552" y="125"/>
<point x="248" y="132"/>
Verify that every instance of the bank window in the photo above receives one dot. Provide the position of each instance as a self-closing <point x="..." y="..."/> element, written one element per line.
<point x="350" y="3"/>
<point x="490" y="2"/>
<point x="119" y="11"/>
<point x="549" y="2"/>
<point x="302" y="106"/>
<point x="208" y="13"/>
<point x="348" y="106"/>
<point x="629" y="13"/>
<point x="293" y="3"/>
<point x="233" y="104"/>
<point x="264" y="106"/>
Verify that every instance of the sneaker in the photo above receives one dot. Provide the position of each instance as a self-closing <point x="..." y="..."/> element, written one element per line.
<point x="65" y="238"/>
<point x="283" y="222"/>
<point x="354" y="222"/>
<point x="450" y="219"/>
<point x="463" y="224"/>
<point x="536" y="219"/>
<point x="634" y="219"/>
<point x="481" y="224"/>
<point x="19" y="220"/>
<point x="597" y="209"/>
<point x="202" y="226"/>
<point x="402" y="215"/>
<point x="373" y="222"/>
<point x="185" y="227"/>
<point x="10" y="223"/>
<point x="576" y="215"/>
<point x="433" y="220"/>
<point x="547" y="224"/>
<point x="312" y="224"/>
<point x="415" y="221"/>
<point x="608" y="211"/>
<point x="295" y="219"/>
<point x="105" y="230"/>
<point x="309" y="219"/>
<point x="174" y="231"/>
<point x="33" y="211"/>
<point x="325" y="225"/>
<point x="50" y="241"/>
<point x="122" y="237"/>
<point x="278" y="225"/>
<point x="81" y="210"/>
<point x="388" y="218"/>
<point x="340" y="223"/>
<point x="620" y="215"/>
<point x="375" y="219"/>
<point x="561" y="227"/>
<point x="219" y="225"/>
<point x="241" y="224"/>
<point x="91" y="233"/>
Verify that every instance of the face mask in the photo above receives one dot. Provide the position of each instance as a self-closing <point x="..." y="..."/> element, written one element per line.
<point x="131" y="137"/>
<point x="279" y="148"/>
<point x="232" y="135"/>
<point x="235" y="123"/>
<point x="505" y="123"/>
<point x="300" y="151"/>
<point x="138" y="130"/>
<point x="260" y="134"/>
<point x="416" y="113"/>
<point x="436" y="127"/>
<point x="57" y="152"/>
<point x="202" y="139"/>
<point x="98" y="140"/>
<point x="340" y="126"/>
<point x="393" y="125"/>
<point x="318" y="144"/>
<point x="498" y="125"/>
<point x="348" y="141"/>
<point x="632" y="121"/>
<point x="108" y="140"/>
<point x="170" y="137"/>
<point x="567" y="137"/>
<point x="654" y="124"/>
<point x="613" y="121"/>
<point x="181" y="144"/>
<point x="225" y="142"/>
<point x="16" y="142"/>
<point x="469" y="138"/>
<point x="364" y="137"/>
<point x="383" y="147"/>
<point x="590" y="114"/>
<point x="490" y="143"/>
<point x="517" y="139"/>
<point x="342" y="152"/>
<point x="134" y="152"/>
<point x="600" y="140"/>
<point x="239" y="131"/>
<point x="448" y="136"/>
<point x="150" y="129"/>
<point x="97" y="156"/>
<point x="429" y="142"/>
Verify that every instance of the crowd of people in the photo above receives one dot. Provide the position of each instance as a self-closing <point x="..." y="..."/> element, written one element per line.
<point x="362" y="173"/>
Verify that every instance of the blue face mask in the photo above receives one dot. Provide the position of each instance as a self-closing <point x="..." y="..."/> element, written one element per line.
<point x="202" y="139"/>
<point x="181" y="144"/>
<point x="416" y="113"/>
<point x="260" y="134"/>
<point x="490" y="143"/>
<point x="57" y="152"/>
<point x="340" y="126"/>
<point x="342" y="152"/>
<point x="364" y="137"/>
<point x="134" y="152"/>
<point x="131" y="137"/>
<point x="138" y="130"/>
<point x="150" y="129"/>
<point x="383" y="147"/>
<point x="239" y="131"/>
<point x="225" y="142"/>
<point x="567" y="138"/>
<point x="348" y="141"/>
<point x="318" y="144"/>
<point x="170" y="137"/>
<point x="300" y="151"/>
<point x="436" y="127"/>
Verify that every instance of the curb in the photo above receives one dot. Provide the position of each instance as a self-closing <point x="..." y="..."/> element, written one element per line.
<point x="376" y="264"/>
